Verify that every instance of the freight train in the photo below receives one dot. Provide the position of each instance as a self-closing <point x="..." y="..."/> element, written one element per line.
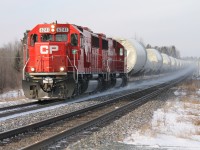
<point x="65" y="60"/>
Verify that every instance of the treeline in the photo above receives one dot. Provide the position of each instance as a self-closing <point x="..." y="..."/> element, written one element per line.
<point x="11" y="63"/>
<point x="169" y="50"/>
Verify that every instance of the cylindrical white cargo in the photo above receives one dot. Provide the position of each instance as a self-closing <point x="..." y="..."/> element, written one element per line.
<point x="136" y="55"/>
<point x="176" y="63"/>
<point x="166" y="62"/>
<point x="154" y="61"/>
<point x="180" y="63"/>
<point x="173" y="63"/>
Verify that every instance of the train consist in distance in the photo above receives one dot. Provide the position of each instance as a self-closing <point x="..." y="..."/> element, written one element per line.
<point x="65" y="60"/>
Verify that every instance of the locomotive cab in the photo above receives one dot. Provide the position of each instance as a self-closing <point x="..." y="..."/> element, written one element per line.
<point x="47" y="62"/>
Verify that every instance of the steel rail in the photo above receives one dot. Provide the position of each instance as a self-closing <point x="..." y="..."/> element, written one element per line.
<point x="10" y="110"/>
<point x="17" y="106"/>
<point x="27" y="104"/>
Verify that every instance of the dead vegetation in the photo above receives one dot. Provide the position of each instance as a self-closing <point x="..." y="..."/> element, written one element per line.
<point x="10" y="66"/>
<point x="196" y="122"/>
<point x="191" y="103"/>
<point x="191" y="86"/>
<point x="189" y="112"/>
<point x="147" y="130"/>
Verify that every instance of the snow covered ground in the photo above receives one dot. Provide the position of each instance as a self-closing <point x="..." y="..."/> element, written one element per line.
<point x="176" y="126"/>
<point x="11" y="94"/>
<point x="12" y="98"/>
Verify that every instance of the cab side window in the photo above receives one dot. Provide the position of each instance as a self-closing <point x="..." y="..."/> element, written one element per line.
<point x="82" y="41"/>
<point x="121" y="52"/>
<point x="34" y="38"/>
<point x="74" y="39"/>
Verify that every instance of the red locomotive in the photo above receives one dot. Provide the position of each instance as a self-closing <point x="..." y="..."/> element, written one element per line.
<point x="64" y="60"/>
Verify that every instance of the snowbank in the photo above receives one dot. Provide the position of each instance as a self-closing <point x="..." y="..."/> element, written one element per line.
<point x="177" y="125"/>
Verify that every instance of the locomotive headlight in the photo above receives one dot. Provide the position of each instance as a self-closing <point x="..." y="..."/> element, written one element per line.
<point x="62" y="68"/>
<point x="53" y="28"/>
<point x="32" y="69"/>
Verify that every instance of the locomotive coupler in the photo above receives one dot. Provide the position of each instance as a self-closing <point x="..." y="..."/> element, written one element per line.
<point x="47" y="84"/>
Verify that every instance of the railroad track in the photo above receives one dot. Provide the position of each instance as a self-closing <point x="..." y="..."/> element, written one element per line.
<point x="16" y="109"/>
<point x="26" y="107"/>
<point x="88" y="117"/>
<point x="14" y="132"/>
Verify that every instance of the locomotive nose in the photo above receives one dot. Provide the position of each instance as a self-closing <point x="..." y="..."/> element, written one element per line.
<point x="50" y="57"/>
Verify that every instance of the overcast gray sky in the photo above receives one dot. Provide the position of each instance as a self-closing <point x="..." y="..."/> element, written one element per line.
<point x="157" y="22"/>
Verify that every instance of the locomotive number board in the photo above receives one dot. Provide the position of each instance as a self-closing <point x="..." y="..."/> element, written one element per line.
<point x="59" y="29"/>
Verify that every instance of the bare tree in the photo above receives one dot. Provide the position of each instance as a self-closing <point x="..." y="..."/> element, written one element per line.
<point x="10" y="66"/>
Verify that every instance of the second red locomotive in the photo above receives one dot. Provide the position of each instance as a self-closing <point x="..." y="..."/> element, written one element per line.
<point x="63" y="60"/>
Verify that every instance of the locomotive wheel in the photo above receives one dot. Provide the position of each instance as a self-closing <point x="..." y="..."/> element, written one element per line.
<point x="124" y="82"/>
<point x="100" y="85"/>
<point x="77" y="90"/>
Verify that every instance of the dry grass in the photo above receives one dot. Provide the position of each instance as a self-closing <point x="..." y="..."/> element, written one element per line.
<point x="144" y="128"/>
<point x="183" y="119"/>
<point x="191" y="86"/>
<point x="194" y="102"/>
<point x="147" y="130"/>
<point x="197" y="132"/>
<point x="196" y="114"/>
<point x="191" y="82"/>
<point x="190" y="100"/>
<point x="185" y="135"/>
<point x="186" y="106"/>
<point x="168" y="106"/>
<point x="196" y="122"/>
<point x="185" y="99"/>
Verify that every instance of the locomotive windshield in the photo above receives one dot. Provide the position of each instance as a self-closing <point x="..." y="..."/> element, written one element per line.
<point x="61" y="37"/>
<point x="46" y="37"/>
<point x="50" y="37"/>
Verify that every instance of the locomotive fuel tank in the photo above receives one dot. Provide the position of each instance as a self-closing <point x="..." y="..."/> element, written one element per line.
<point x="136" y="55"/>
<point x="154" y="61"/>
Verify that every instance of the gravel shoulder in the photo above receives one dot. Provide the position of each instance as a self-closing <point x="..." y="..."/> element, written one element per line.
<point x="111" y="136"/>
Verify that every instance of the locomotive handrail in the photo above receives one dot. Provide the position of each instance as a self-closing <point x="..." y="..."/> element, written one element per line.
<point x="24" y="69"/>
<point x="25" y="51"/>
<point x="75" y="68"/>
